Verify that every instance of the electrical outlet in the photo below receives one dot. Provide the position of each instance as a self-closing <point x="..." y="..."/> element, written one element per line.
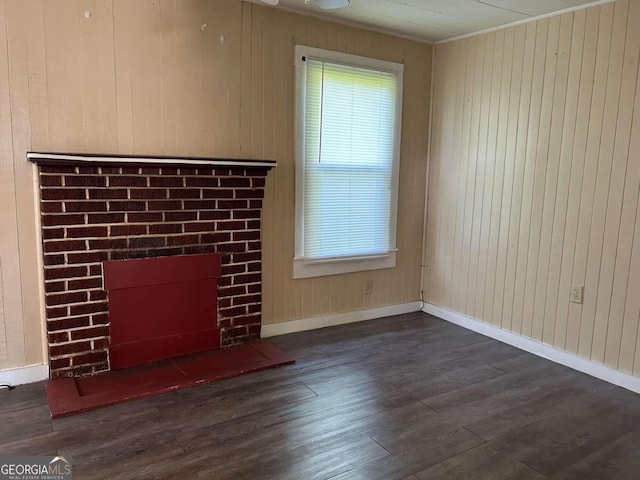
<point x="577" y="294"/>
<point x="368" y="287"/>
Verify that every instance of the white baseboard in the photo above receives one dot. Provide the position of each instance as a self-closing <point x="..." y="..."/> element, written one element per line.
<point x="595" y="369"/>
<point x="22" y="375"/>
<point x="272" y="329"/>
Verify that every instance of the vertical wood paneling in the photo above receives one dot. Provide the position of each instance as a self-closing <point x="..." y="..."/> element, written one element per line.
<point x="184" y="77"/>
<point x="565" y="192"/>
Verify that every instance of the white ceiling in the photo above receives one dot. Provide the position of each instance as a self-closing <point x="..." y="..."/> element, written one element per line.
<point x="433" y="20"/>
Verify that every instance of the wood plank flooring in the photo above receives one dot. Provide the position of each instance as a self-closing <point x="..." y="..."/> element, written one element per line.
<point x="405" y="397"/>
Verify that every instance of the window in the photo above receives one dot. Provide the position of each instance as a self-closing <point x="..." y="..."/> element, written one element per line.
<point x="348" y="114"/>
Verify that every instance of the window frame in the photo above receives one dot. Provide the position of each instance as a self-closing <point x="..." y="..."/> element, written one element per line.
<point x="303" y="268"/>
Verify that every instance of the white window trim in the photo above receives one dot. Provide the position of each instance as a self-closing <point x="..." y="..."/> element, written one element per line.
<point x="305" y="268"/>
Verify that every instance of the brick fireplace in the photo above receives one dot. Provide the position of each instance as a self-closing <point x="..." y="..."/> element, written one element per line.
<point x="103" y="208"/>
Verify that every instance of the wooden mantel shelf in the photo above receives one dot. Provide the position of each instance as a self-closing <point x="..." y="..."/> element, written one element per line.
<point x="75" y="159"/>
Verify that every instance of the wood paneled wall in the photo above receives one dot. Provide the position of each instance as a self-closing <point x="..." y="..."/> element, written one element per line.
<point x="535" y="178"/>
<point x="182" y="77"/>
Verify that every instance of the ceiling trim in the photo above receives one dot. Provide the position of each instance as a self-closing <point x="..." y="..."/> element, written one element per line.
<point x="346" y="23"/>
<point x="526" y="20"/>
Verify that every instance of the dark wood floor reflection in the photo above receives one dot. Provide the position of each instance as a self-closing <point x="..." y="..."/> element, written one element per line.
<point x="407" y="397"/>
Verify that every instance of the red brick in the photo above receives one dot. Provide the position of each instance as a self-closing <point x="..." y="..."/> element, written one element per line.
<point x="144" y="217"/>
<point x="225" y="323"/>
<point x="214" y="215"/>
<point x="55" y="287"/>
<point x="246" y="320"/>
<point x="236" y="332"/>
<point x="217" y="237"/>
<point x="205" y="171"/>
<point x="110" y="170"/>
<point x="63" y="194"/>
<point x="54" y="259"/>
<point x="216" y="193"/>
<point x="89" y="257"/>
<point x="185" y="193"/>
<point x="253" y="224"/>
<point x="150" y="193"/>
<point x="210" y="182"/>
<point x="246" y="214"/>
<point x="51" y="207"/>
<point x="130" y="170"/>
<point x="77" y="207"/>
<point x="256" y="308"/>
<point x="83" y="232"/>
<point x="65" y="298"/>
<point x="58" y="220"/>
<point x="95" y="270"/>
<point x="220" y="172"/>
<point x="200" y="205"/>
<point x="224" y="281"/>
<point x="85" y="170"/>
<point x="258" y="182"/>
<point x="251" y="246"/>
<point x="232" y="291"/>
<point x="230" y="225"/>
<point x="163" y="205"/>
<point x="57" y="312"/>
<point x="182" y="240"/>
<point x="51" y="246"/>
<point x="249" y="193"/>
<point x="68" y="348"/>
<point x="56" y="169"/>
<point x="57" y="363"/>
<point x="88" y="308"/>
<point x="150" y="171"/>
<point x="235" y="182"/>
<point x="126" y="181"/>
<point x="199" y="227"/>
<point x="231" y="269"/>
<point x="105" y="218"/>
<point x="247" y="278"/>
<point x="146" y="242"/>
<point x="92" y="332"/>
<point x="100" y="343"/>
<point x="165" y="228"/>
<point x="85" y="283"/>
<point x="233" y="311"/>
<point x="58" y="337"/>
<point x="125" y="230"/>
<point x="246" y="235"/>
<point x="246" y="299"/>
<point x="108" y="244"/>
<point x="197" y="249"/>
<point x="64" y="272"/>
<point x="89" y="358"/>
<point x="166" y="181"/>
<point x="119" y="206"/>
<point x="108" y="194"/>
<point x="84" y="181"/>
<point x="254" y="288"/>
<point x="96" y="295"/>
<point x="100" y="319"/>
<point x="254" y="267"/>
<point x="224" y="302"/>
<point x="65" y="324"/>
<point x="169" y="171"/>
<point x="180" y="216"/>
<point x="52" y="233"/>
<point x="51" y="180"/>
<point x="247" y="257"/>
<point x="232" y="204"/>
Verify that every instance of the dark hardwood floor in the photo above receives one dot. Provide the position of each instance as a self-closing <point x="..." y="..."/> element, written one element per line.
<point x="407" y="397"/>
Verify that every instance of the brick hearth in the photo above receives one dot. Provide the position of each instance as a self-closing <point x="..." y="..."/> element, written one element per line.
<point x="94" y="211"/>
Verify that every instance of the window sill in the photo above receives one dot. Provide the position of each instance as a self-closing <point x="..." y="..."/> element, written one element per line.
<point x="302" y="269"/>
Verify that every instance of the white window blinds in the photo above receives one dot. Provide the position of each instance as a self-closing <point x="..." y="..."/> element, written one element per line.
<point x="351" y="123"/>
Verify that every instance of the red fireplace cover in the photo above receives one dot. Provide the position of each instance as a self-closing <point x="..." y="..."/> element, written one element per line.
<point x="161" y="307"/>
